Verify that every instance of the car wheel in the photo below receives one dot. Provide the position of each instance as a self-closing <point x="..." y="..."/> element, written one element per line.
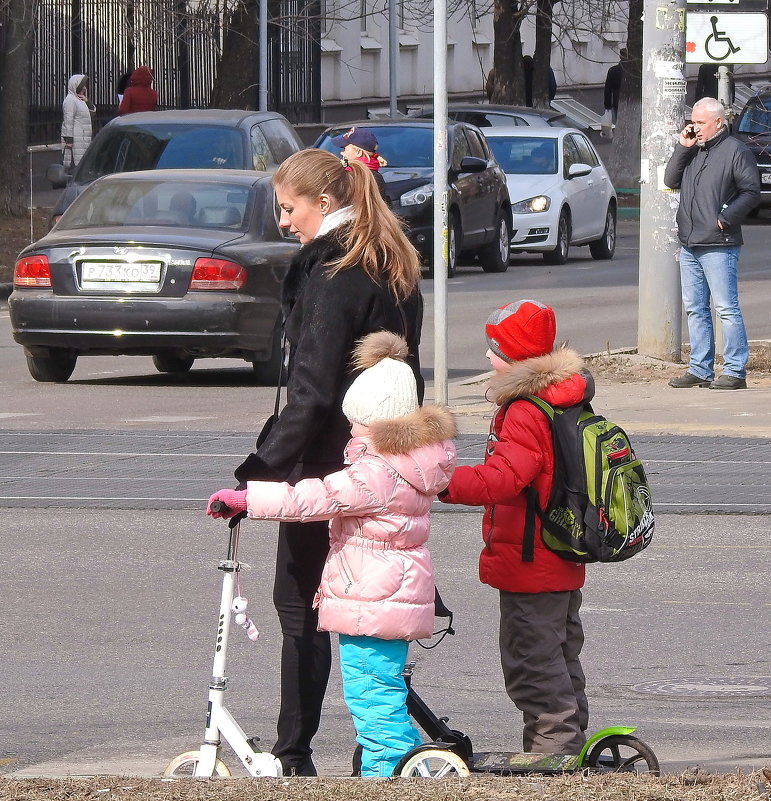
<point x="171" y="363"/>
<point x="56" y="367"/>
<point x="560" y="253"/>
<point x="494" y="257"/>
<point x="267" y="372"/>
<point x="605" y="247"/>
<point x="454" y="237"/>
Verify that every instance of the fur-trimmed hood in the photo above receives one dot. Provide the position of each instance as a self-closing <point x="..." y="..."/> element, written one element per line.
<point x="417" y="446"/>
<point x="558" y="377"/>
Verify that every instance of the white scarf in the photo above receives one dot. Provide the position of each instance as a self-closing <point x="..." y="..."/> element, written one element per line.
<point x="334" y="219"/>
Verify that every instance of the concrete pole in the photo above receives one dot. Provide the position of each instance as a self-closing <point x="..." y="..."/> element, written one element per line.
<point x="393" y="56"/>
<point x="263" y="43"/>
<point x="659" y="331"/>
<point x="440" y="201"/>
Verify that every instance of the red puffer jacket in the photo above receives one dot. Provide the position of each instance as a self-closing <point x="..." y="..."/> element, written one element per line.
<point x="520" y="453"/>
<point x="139" y="96"/>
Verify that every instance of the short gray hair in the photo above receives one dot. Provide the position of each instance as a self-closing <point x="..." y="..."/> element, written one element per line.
<point x="712" y="106"/>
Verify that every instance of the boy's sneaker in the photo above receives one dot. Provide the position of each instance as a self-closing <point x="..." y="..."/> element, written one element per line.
<point x="690" y="380"/>
<point x="728" y="382"/>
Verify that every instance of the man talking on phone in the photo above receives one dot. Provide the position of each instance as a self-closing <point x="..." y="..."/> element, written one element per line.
<point x="717" y="176"/>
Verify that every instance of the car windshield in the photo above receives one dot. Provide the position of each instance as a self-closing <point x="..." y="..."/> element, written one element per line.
<point x="152" y="203"/>
<point x="126" y="148"/>
<point x="756" y="118"/>
<point x="524" y="155"/>
<point x="405" y="146"/>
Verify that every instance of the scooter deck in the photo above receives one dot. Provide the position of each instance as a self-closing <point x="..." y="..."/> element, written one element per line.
<point x="505" y="762"/>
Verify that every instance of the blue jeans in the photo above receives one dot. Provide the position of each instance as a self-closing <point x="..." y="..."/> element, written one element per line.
<point x="376" y="696"/>
<point x="711" y="272"/>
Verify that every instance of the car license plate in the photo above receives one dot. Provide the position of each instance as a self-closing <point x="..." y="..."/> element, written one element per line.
<point x="138" y="276"/>
<point x="765" y="178"/>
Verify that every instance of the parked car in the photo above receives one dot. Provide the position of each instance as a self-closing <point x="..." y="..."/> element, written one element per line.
<point x="561" y="193"/>
<point x="479" y="217"/>
<point x="188" y="139"/>
<point x="490" y="116"/>
<point x="753" y="127"/>
<point x="174" y="264"/>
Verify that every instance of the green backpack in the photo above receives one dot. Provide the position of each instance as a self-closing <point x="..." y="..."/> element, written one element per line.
<point x="599" y="509"/>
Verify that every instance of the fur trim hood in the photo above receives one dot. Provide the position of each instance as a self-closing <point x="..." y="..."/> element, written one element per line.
<point x="544" y="376"/>
<point x="427" y="425"/>
<point x="375" y="347"/>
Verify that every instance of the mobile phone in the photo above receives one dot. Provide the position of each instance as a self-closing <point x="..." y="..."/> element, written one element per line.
<point x="690" y="133"/>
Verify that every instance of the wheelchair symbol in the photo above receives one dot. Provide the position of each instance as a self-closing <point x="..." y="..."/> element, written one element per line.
<point x="719" y="37"/>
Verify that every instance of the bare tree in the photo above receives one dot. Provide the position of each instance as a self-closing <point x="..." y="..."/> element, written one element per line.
<point x="15" y="67"/>
<point x="509" y="79"/>
<point x="236" y="82"/>
<point x="542" y="52"/>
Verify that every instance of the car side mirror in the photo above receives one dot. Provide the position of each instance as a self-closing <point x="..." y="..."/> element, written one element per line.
<point x="577" y="170"/>
<point x="57" y="176"/>
<point x="472" y="164"/>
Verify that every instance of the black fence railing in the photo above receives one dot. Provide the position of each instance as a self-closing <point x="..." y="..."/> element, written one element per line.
<point x="180" y="41"/>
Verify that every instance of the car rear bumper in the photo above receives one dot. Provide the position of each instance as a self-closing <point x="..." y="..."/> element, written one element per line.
<point x="216" y="324"/>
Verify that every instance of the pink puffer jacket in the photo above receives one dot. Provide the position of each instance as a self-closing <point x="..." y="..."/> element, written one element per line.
<point x="378" y="579"/>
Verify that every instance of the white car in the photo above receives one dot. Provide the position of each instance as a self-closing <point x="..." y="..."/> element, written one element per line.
<point x="561" y="193"/>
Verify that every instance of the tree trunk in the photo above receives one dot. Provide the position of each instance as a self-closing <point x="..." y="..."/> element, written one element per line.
<point x="15" y="68"/>
<point x="624" y="162"/>
<point x="236" y="82"/>
<point x="509" y="85"/>
<point x="542" y="53"/>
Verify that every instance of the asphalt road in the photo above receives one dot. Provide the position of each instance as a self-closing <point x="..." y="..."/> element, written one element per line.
<point x="109" y="606"/>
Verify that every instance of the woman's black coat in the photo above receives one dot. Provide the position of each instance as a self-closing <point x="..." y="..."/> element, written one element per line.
<point x="324" y="318"/>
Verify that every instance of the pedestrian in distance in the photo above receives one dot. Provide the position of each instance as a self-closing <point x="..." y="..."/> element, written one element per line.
<point x="377" y="587"/>
<point x="541" y="635"/>
<point x="139" y="94"/>
<point x="355" y="274"/>
<point x="717" y="176"/>
<point x="528" y="66"/>
<point x="361" y="144"/>
<point x="122" y="85"/>
<point x="77" y="120"/>
<point x="613" y="79"/>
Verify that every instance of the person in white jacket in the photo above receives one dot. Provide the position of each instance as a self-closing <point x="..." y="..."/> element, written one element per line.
<point x="77" y="123"/>
<point x="377" y="587"/>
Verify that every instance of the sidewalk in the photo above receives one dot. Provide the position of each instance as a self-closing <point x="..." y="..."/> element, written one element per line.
<point x="645" y="406"/>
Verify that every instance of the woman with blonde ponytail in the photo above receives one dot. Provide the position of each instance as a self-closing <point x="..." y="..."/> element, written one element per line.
<point x="355" y="274"/>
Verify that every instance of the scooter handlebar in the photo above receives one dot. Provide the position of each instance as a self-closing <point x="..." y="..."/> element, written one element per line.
<point x="219" y="507"/>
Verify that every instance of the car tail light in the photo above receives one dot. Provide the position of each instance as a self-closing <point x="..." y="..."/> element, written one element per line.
<point x="32" y="271"/>
<point x="217" y="274"/>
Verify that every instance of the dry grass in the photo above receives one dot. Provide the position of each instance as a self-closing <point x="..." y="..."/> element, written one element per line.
<point x="575" y="787"/>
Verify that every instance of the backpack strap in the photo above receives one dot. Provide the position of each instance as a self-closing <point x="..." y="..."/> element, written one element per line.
<point x="532" y="508"/>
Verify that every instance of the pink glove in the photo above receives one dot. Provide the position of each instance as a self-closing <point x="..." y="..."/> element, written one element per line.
<point x="234" y="500"/>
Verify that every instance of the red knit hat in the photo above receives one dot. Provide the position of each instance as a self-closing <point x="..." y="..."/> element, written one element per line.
<point x="521" y="330"/>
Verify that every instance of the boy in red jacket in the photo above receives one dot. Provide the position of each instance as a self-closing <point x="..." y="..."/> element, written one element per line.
<point x="540" y="630"/>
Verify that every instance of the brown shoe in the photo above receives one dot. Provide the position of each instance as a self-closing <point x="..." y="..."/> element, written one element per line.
<point x="728" y="382"/>
<point x="689" y="380"/>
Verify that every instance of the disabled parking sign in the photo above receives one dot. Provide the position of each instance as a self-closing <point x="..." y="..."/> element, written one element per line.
<point x="727" y="38"/>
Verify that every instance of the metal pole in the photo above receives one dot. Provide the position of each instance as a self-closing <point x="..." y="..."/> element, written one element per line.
<point x="263" y="42"/>
<point x="659" y="331"/>
<point x="440" y="201"/>
<point x="393" y="56"/>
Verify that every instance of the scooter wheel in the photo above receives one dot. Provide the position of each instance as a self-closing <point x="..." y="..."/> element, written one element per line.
<point x="428" y="762"/>
<point x="621" y="754"/>
<point x="183" y="766"/>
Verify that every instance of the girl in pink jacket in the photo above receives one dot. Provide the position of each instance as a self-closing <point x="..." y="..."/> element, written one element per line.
<point x="377" y="587"/>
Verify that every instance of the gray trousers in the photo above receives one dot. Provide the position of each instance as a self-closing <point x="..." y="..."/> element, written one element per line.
<point x="540" y="640"/>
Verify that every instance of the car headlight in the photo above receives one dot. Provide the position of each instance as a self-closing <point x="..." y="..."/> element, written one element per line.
<point x="533" y="204"/>
<point x="415" y="197"/>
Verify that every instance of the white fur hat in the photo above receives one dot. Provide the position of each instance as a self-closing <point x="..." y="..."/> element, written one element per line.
<point x="386" y="386"/>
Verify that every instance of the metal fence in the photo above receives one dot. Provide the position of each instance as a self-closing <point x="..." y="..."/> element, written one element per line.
<point x="181" y="41"/>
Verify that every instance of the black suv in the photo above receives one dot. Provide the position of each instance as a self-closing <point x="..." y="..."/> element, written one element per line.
<point x="479" y="212"/>
<point x="753" y="127"/>
<point x="187" y="139"/>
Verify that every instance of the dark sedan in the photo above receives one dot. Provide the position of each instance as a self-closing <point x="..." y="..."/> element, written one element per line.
<point x="188" y="139"/>
<point x="479" y="212"/>
<point x="753" y="127"/>
<point x="168" y="263"/>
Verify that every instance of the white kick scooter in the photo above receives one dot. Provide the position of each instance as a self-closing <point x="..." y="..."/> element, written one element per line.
<point x="219" y="722"/>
